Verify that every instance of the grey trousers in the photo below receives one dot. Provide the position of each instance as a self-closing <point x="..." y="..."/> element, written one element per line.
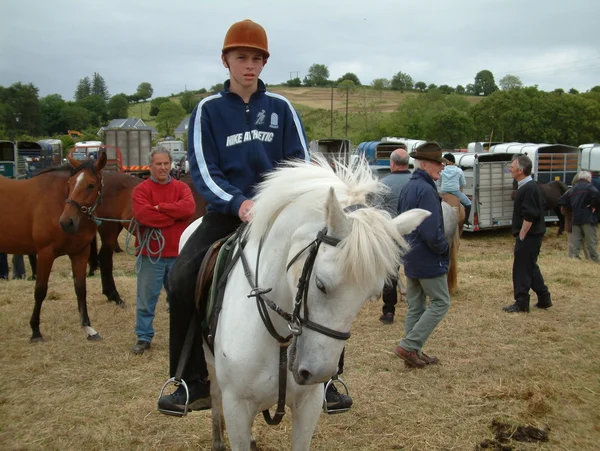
<point x="420" y="319"/>
<point x="586" y="234"/>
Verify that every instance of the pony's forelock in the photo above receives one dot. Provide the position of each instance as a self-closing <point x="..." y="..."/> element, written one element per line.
<point x="374" y="246"/>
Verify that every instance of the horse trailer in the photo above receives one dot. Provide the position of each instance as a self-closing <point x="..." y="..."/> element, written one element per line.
<point x="332" y="149"/>
<point x="550" y="161"/>
<point x="8" y="159"/>
<point x="135" y="146"/>
<point x="590" y="157"/>
<point x="489" y="186"/>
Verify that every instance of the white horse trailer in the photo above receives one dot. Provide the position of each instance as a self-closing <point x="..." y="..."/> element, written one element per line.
<point x="550" y="161"/>
<point x="332" y="149"/>
<point x="590" y="157"/>
<point x="489" y="186"/>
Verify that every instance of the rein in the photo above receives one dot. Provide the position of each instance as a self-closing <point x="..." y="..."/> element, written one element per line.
<point x="89" y="211"/>
<point x="295" y="319"/>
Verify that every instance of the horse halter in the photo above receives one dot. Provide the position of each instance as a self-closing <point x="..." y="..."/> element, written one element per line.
<point x="295" y="319"/>
<point x="88" y="211"/>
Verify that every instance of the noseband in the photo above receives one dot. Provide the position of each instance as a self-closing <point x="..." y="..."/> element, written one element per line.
<point x="88" y="211"/>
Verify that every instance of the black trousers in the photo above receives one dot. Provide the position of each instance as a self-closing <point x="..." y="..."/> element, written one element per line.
<point x="182" y="287"/>
<point x="390" y="296"/>
<point x="3" y="266"/>
<point x="526" y="272"/>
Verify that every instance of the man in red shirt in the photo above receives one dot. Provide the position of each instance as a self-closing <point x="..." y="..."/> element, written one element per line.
<point x="162" y="206"/>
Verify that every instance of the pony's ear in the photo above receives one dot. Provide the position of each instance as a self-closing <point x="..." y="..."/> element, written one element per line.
<point x="338" y="224"/>
<point x="73" y="162"/>
<point x="101" y="161"/>
<point x="410" y="220"/>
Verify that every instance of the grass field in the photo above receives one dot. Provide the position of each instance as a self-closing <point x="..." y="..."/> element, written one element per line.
<point x="540" y="369"/>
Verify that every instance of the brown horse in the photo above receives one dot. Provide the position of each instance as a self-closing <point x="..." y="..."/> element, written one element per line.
<point x="551" y="191"/>
<point x="454" y="219"/>
<point x="115" y="214"/>
<point x="51" y="215"/>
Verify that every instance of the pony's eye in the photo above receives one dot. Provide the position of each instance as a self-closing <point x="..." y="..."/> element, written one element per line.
<point x="91" y="186"/>
<point x="320" y="286"/>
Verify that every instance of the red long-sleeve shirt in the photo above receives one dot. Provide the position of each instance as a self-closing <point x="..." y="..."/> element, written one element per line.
<point x="175" y="207"/>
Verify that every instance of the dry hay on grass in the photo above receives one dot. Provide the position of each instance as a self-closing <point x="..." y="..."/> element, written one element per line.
<point x="539" y="369"/>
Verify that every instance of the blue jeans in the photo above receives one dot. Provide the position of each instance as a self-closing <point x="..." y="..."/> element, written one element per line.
<point x="150" y="279"/>
<point x="461" y="196"/>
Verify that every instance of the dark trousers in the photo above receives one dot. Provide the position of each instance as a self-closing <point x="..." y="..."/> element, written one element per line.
<point x="526" y="272"/>
<point x="3" y="266"/>
<point x="390" y="296"/>
<point x="182" y="288"/>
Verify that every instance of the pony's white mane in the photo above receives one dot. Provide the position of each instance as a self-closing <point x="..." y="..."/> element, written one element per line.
<point x="373" y="248"/>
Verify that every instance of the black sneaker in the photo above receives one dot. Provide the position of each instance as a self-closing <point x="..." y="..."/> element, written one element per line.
<point x="140" y="347"/>
<point x="175" y="402"/>
<point x="337" y="400"/>
<point x="387" y="318"/>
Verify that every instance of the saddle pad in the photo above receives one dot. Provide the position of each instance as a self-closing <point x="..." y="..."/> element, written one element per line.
<point x="221" y="263"/>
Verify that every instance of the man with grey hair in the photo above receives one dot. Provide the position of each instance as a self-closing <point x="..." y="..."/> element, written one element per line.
<point x="582" y="200"/>
<point x="528" y="228"/>
<point x="395" y="182"/>
<point x="162" y="206"/>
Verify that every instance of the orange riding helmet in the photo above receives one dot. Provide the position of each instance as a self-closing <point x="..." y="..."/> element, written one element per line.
<point x="246" y="34"/>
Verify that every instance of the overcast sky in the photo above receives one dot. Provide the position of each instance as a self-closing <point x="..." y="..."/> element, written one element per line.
<point x="176" y="44"/>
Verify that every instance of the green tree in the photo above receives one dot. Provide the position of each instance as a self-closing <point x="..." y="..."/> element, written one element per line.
<point x="216" y="88"/>
<point x="349" y="76"/>
<point x="595" y="89"/>
<point x="144" y="91"/>
<point x="484" y="83"/>
<point x="99" y="87"/>
<point x="432" y="87"/>
<point x="187" y="101"/>
<point x="51" y="109"/>
<point x="118" y="107"/>
<point x="460" y="89"/>
<point x="96" y="106"/>
<point x="379" y="84"/>
<point x="84" y="89"/>
<point x="573" y="91"/>
<point x="294" y="82"/>
<point x="421" y="86"/>
<point x="156" y="103"/>
<point x="318" y="75"/>
<point x="75" y="117"/>
<point x="402" y="82"/>
<point x="20" y="110"/>
<point x="169" y="117"/>
<point x="510" y="82"/>
<point x="445" y="89"/>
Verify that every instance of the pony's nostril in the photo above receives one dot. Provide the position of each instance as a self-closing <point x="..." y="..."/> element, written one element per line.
<point x="305" y="375"/>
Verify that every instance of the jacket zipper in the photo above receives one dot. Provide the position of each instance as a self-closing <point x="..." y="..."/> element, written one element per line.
<point x="247" y="113"/>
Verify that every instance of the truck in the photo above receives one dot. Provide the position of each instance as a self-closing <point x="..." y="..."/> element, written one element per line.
<point x="134" y="146"/>
<point x="177" y="149"/>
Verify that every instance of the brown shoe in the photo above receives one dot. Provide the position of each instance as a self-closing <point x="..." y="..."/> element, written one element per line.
<point x="409" y="357"/>
<point x="429" y="359"/>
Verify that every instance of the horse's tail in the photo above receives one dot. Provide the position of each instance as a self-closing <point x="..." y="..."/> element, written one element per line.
<point x="453" y="268"/>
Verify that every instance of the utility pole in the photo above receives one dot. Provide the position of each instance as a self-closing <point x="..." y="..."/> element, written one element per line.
<point x="297" y="72"/>
<point x="331" y="122"/>
<point x="347" y="89"/>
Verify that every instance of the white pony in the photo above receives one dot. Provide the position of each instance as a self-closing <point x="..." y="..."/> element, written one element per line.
<point x="359" y="248"/>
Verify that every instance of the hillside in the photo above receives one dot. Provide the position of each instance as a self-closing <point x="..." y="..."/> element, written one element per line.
<point x="367" y="108"/>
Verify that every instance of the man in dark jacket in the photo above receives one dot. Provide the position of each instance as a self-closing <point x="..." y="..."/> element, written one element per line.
<point x="426" y="264"/>
<point x="581" y="200"/>
<point x="395" y="182"/>
<point x="528" y="228"/>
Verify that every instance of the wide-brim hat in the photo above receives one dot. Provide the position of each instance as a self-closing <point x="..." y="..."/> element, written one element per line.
<point x="430" y="151"/>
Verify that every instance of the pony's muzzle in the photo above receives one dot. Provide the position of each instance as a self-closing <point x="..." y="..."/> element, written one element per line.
<point x="69" y="225"/>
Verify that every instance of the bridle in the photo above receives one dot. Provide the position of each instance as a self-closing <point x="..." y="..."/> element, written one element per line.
<point x="299" y="317"/>
<point x="296" y="320"/>
<point x="88" y="211"/>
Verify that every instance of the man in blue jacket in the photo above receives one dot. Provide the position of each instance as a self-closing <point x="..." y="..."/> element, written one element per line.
<point x="426" y="264"/>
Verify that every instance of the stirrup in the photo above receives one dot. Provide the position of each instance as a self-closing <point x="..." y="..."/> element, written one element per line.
<point x="177" y="383"/>
<point x="332" y="381"/>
